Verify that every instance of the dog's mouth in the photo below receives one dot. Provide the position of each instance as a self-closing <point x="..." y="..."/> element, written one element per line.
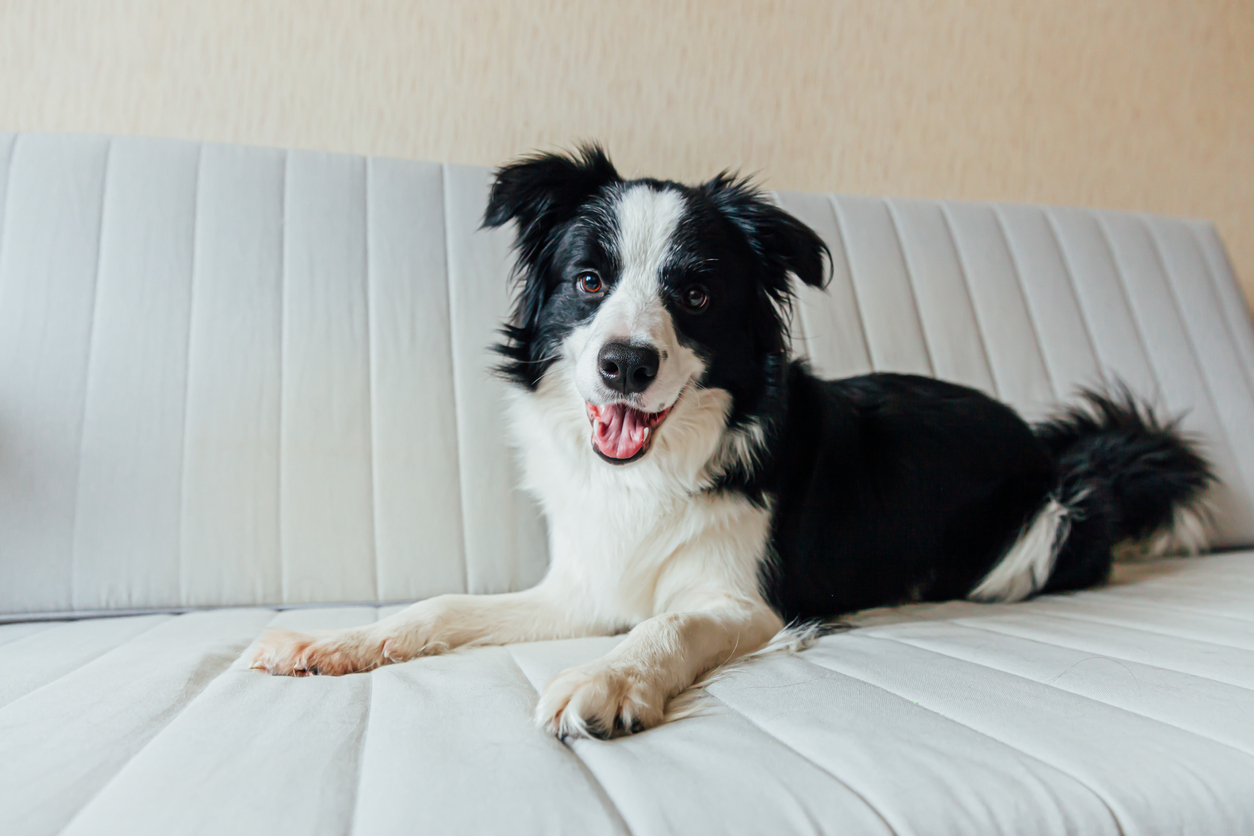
<point x="621" y="433"/>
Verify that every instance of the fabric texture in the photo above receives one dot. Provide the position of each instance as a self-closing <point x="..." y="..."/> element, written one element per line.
<point x="235" y="376"/>
<point x="1125" y="710"/>
<point x="241" y="376"/>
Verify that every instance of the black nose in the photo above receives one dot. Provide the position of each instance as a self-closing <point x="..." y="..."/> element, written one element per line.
<point x="627" y="368"/>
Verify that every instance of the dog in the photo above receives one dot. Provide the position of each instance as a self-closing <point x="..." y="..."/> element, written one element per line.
<point x="703" y="489"/>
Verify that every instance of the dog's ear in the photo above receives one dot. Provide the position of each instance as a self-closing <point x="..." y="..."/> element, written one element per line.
<point x="539" y="193"/>
<point x="544" y="190"/>
<point x="782" y="243"/>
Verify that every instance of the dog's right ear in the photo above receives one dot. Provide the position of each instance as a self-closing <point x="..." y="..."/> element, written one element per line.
<point x="544" y="190"/>
<point x="539" y="192"/>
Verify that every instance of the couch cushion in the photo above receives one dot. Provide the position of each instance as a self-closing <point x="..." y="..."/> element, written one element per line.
<point x="1122" y="710"/>
<point x="234" y="376"/>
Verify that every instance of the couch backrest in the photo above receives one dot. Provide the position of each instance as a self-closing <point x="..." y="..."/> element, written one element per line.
<point x="245" y="376"/>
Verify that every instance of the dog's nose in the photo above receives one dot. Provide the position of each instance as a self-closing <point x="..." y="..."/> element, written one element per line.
<point x="628" y="368"/>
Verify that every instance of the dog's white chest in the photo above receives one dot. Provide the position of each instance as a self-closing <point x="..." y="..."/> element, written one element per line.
<point x="627" y="553"/>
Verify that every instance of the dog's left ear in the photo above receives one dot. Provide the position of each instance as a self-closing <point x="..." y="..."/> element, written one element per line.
<point x="544" y="190"/>
<point x="783" y="243"/>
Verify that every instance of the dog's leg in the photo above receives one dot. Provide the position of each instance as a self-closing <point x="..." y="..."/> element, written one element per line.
<point x="627" y="690"/>
<point x="428" y="627"/>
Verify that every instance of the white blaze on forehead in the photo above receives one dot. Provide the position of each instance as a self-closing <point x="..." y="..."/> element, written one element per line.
<point x="634" y="309"/>
<point x="647" y="219"/>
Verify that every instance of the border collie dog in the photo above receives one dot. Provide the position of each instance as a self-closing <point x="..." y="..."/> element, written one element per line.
<point x="703" y="489"/>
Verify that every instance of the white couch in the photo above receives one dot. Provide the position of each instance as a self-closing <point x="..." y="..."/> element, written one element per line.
<point x="243" y="387"/>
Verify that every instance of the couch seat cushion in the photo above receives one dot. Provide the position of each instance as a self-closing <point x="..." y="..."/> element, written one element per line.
<point x="1122" y="710"/>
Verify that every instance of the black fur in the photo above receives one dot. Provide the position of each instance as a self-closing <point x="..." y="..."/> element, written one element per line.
<point x="1123" y="472"/>
<point x="895" y="487"/>
<point x="884" y="488"/>
<point x="892" y="488"/>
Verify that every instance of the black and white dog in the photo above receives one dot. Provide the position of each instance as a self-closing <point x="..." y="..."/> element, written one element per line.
<point x="702" y="489"/>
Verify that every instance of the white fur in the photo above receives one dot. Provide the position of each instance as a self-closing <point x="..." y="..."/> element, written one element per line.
<point x="639" y="547"/>
<point x="1026" y="567"/>
<point x="741" y="446"/>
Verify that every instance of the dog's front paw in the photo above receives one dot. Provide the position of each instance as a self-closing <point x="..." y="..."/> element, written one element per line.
<point x="331" y="653"/>
<point x="600" y="700"/>
<point x="406" y="636"/>
<point x="336" y="652"/>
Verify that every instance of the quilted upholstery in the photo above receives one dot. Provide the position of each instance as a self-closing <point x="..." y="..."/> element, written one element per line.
<point x="1121" y="711"/>
<point x="243" y="376"/>
<point x="234" y="376"/>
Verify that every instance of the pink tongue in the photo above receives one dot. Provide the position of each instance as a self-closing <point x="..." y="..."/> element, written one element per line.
<point x="619" y="431"/>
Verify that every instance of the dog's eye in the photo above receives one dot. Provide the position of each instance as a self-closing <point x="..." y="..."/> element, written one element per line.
<point x="589" y="282"/>
<point x="695" y="297"/>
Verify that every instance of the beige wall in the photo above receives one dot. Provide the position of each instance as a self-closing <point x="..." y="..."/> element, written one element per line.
<point x="1139" y="104"/>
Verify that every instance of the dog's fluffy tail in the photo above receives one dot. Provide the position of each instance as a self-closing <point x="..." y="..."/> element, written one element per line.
<point x="1129" y="484"/>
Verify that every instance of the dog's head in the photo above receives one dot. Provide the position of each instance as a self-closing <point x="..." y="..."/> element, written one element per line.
<point x="646" y="289"/>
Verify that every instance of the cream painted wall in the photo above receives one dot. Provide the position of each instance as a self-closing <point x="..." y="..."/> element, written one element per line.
<point x="1132" y="104"/>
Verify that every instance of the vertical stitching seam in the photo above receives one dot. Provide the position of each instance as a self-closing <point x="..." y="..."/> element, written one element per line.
<point x="87" y="364"/>
<point x="4" y="224"/>
<point x="187" y="371"/>
<point x="8" y="187"/>
<point x="361" y="752"/>
<point x="966" y="284"/>
<point x="853" y="284"/>
<point x="283" y="244"/>
<point x="452" y="373"/>
<point x="914" y="293"/>
<point x="366" y="720"/>
<point x="1127" y="303"/>
<point x="370" y="381"/>
<point x="1069" y="271"/>
<point x="457" y="399"/>
<point x="1027" y="302"/>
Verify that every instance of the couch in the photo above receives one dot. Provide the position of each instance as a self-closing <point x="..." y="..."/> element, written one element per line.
<point x="243" y="388"/>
